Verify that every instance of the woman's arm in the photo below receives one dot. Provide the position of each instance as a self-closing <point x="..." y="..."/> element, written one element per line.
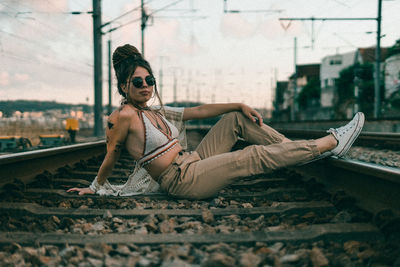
<point x="116" y="134"/>
<point x="212" y="110"/>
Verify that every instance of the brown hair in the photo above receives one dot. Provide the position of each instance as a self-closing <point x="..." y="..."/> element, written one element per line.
<point x="126" y="59"/>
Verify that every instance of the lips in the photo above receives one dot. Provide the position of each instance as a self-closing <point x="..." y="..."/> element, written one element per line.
<point x="145" y="93"/>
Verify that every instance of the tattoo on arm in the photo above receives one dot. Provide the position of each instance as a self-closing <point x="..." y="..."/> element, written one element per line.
<point x="110" y="125"/>
<point x="118" y="147"/>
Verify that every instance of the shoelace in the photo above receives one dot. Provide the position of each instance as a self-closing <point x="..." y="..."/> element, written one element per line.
<point x="341" y="130"/>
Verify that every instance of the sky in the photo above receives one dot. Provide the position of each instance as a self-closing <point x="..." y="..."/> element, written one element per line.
<point x="206" y="54"/>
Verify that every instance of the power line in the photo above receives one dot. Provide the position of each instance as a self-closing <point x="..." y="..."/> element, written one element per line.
<point x="30" y="60"/>
<point x="124" y="14"/>
<point x="38" y="44"/>
<point x="39" y="28"/>
<point x="138" y="19"/>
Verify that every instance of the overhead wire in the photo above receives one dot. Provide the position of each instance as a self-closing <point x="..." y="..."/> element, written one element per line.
<point x="151" y="13"/>
<point x="84" y="63"/>
<point x="49" y="27"/>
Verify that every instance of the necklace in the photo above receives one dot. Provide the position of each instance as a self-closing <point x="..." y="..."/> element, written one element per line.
<point x="154" y="116"/>
<point x="151" y="114"/>
<point x="139" y="107"/>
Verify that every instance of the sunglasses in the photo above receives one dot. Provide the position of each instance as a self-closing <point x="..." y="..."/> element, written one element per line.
<point x="138" y="81"/>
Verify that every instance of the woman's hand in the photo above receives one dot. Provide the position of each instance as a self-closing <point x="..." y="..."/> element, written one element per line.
<point x="251" y="114"/>
<point x="82" y="191"/>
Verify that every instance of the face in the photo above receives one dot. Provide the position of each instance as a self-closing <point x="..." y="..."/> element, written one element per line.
<point x="139" y="87"/>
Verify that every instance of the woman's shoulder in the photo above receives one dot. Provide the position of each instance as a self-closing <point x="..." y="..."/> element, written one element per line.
<point x="124" y="112"/>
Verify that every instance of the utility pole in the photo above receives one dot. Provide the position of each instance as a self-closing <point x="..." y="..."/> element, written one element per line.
<point x="144" y="19"/>
<point x="109" y="77"/>
<point x="377" y="82"/>
<point x="160" y="83"/>
<point x="175" y="87"/>
<point x="98" y="94"/>
<point x="294" y="109"/>
<point x="377" y="104"/>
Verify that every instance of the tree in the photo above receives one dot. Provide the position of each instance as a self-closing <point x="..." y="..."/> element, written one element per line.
<point x="310" y="94"/>
<point x="362" y="76"/>
<point x="395" y="49"/>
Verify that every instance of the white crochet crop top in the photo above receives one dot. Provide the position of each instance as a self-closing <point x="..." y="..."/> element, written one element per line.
<point x="156" y="141"/>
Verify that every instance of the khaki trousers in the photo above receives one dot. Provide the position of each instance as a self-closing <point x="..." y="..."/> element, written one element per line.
<point x="211" y="167"/>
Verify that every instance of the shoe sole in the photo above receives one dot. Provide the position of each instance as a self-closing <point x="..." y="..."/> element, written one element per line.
<point x="356" y="133"/>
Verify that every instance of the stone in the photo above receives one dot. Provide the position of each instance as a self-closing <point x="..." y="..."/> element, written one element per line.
<point x="114" y="261"/>
<point x="143" y="262"/>
<point x="141" y="231"/>
<point x="93" y="253"/>
<point x="74" y="260"/>
<point x="264" y="250"/>
<point x="366" y="254"/>
<point x="318" y="258"/>
<point x="276" y="247"/>
<point x="167" y="226"/>
<point x="183" y="251"/>
<point x="94" y="262"/>
<point x="226" y="229"/>
<point x="123" y="250"/>
<point x="77" y="230"/>
<point x="87" y="227"/>
<point x="247" y="205"/>
<point x="64" y="204"/>
<point x="342" y="217"/>
<point x="351" y="247"/>
<point x="89" y="202"/>
<point x="98" y="226"/>
<point x="3" y="255"/>
<point x="175" y="263"/>
<point x="309" y="216"/>
<point x="151" y="226"/>
<point x="66" y="222"/>
<point x="249" y="259"/>
<point x="55" y="219"/>
<point x="31" y="255"/>
<point x="289" y="258"/>
<point x="107" y="214"/>
<point x="219" y="259"/>
<point x="51" y="250"/>
<point x="117" y="220"/>
<point x="207" y="216"/>
<point x="67" y="252"/>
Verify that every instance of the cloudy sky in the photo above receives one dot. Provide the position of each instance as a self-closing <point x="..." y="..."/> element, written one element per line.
<point x="47" y="54"/>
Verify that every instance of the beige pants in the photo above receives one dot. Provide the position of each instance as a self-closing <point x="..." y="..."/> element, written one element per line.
<point x="202" y="173"/>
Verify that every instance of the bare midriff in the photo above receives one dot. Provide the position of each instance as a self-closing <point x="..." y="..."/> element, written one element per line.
<point x="160" y="164"/>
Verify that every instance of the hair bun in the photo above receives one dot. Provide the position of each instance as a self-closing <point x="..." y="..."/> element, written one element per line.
<point x="125" y="52"/>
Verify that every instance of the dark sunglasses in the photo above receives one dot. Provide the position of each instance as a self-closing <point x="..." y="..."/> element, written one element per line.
<point x="138" y="81"/>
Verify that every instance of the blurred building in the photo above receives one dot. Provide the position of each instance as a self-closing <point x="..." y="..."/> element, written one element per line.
<point x="392" y="76"/>
<point x="328" y="73"/>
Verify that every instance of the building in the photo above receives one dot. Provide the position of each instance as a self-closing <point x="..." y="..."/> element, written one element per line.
<point x="285" y="90"/>
<point x="392" y="76"/>
<point x="329" y="73"/>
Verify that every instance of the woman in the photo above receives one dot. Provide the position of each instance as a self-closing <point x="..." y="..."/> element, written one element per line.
<point x="154" y="141"/>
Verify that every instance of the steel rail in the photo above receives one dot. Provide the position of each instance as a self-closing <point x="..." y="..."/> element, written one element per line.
<point x="365" y="138"/>
<point x="26" y="165"/>
<point x="375" y="187"/>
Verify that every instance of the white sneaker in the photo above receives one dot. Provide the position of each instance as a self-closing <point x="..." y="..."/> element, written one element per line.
<point x="346" y="135"/>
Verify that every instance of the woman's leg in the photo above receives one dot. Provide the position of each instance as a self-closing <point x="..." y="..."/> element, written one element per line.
<point x="224" y="134"/>
<point x="206" y="177"/>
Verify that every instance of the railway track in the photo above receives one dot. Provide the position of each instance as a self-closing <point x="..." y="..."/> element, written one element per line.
<point x="371" y="139"/>
<point x="334" y="212"/>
